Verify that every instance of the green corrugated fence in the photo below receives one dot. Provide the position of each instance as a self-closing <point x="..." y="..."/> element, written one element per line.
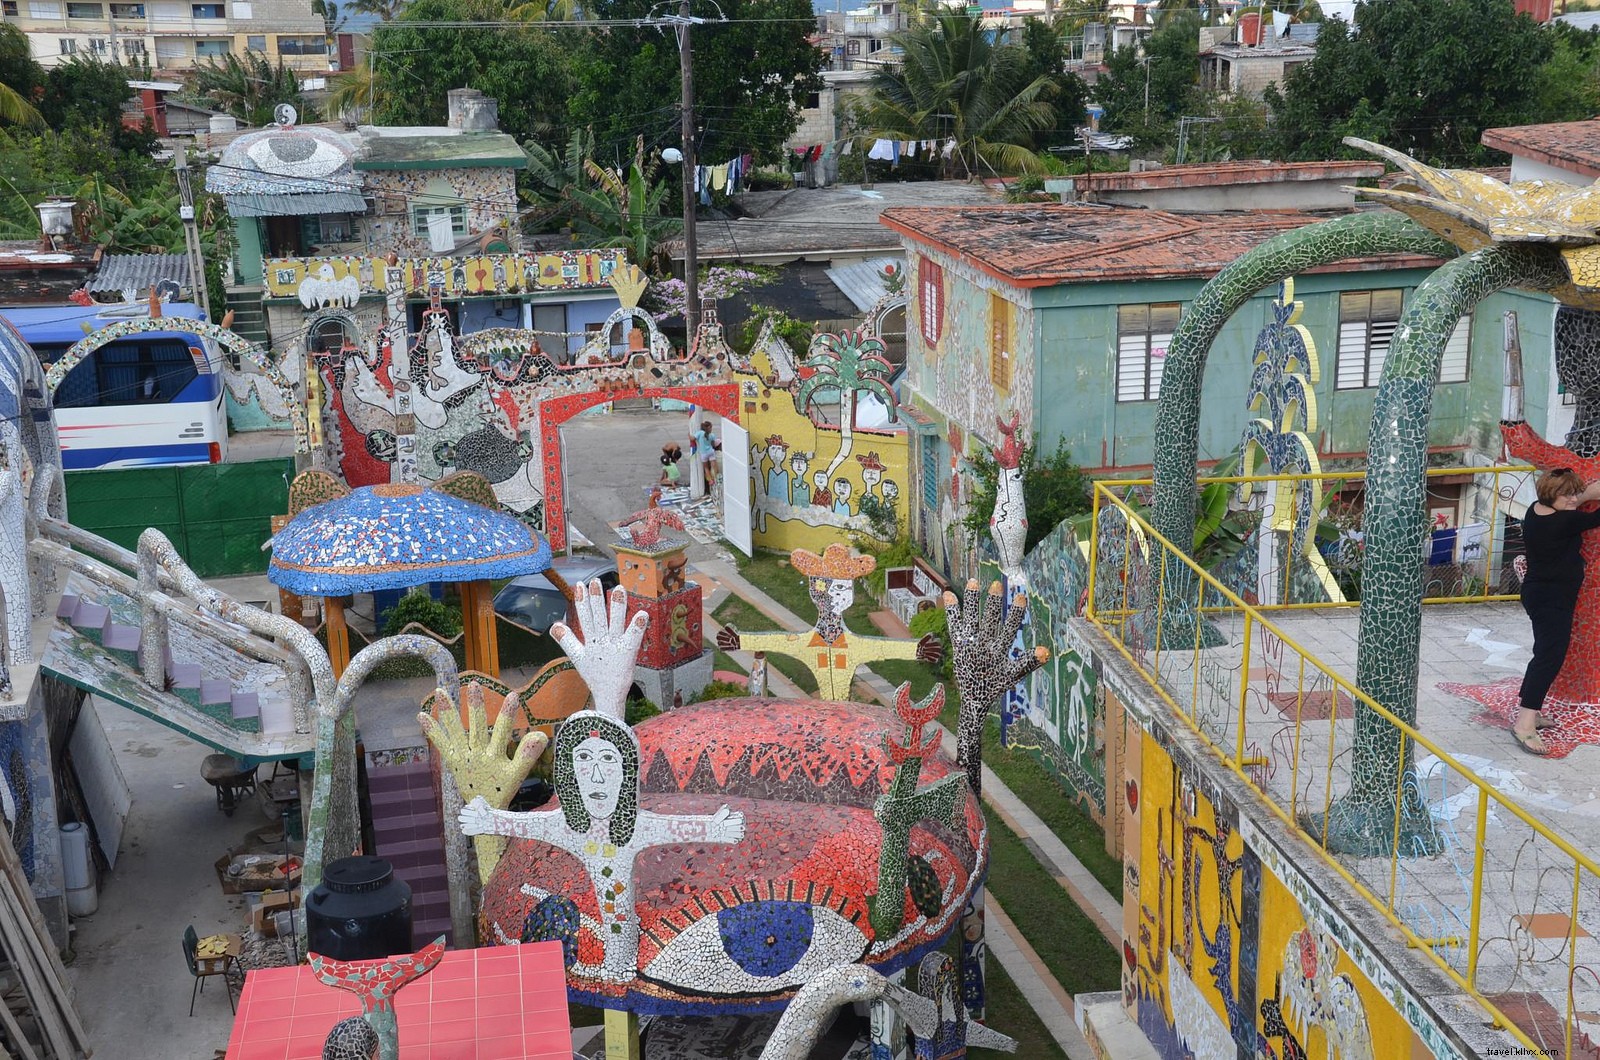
<point x="216" y="514"/>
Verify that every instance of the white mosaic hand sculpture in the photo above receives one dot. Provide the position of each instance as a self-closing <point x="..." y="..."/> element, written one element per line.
<point x="605" y="656"/>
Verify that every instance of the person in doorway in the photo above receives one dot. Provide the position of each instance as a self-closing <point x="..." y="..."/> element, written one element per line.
<point x="1552" y="534"/>
<point x="705" y="447"/>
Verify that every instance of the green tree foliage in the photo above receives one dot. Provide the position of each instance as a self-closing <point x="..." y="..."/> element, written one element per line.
<point x="626" y="212"/>
<point x="249" y="87"/>
<point x="383" y="10"/>
<point x="961" y="80"/>
<point x="751" y="74"/>
<point x="527" y="70"/>
<point x="1170" y="67"/>
<point x="1424" y="76"/>
<point x="21" y="79"/>
<point x="1047" y="58"/>
<point x="1568" y="86"/>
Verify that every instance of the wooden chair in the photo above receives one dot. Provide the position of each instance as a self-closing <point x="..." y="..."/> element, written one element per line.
<point x="203" y="967"/>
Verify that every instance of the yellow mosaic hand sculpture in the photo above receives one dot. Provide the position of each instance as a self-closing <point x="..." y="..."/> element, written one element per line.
<point x="477" y="757"/>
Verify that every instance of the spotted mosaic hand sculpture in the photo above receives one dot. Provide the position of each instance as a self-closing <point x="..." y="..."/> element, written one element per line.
<point x="610" y="644"/>
<point x="980" y="641"/>
<point x="476" y="756"/>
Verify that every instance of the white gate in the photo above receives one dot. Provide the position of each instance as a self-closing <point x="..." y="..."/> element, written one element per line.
<point x="736" y="490"/>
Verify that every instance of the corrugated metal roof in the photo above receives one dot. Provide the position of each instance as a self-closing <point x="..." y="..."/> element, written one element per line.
<point x="863" y="281"/>
<point x="137" y="273"/>
<point x="249" y="205"/>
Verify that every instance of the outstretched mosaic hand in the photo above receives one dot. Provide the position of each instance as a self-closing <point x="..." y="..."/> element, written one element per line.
<point x="604" y="657"/>
<point x="980" y="643"/>
<point x="476" y="756"/>
<point x="725" y="826"/>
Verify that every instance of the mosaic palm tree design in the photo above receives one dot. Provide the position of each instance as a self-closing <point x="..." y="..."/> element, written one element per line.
<point x="853" y="364"/>
<point x="1454" y="212"/>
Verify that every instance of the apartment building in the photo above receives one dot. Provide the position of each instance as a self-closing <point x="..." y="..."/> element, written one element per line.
<point x="173" y="35"/>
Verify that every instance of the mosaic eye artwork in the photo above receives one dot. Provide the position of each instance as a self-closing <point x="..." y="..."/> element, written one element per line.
<point x="758" y="947"/>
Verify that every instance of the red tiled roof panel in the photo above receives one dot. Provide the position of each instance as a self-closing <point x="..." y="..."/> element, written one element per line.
<point x="1036" y="246"/>
<point x="1567" y="144"/>
<point x="483" y="1004"/>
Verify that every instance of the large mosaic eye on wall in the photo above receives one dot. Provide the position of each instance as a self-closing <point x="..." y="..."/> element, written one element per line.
<point x="758" y="948"/>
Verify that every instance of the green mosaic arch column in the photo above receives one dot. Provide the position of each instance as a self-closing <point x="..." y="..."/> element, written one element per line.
<point x="1178" y="412"/>
<point x="1362" y="823"/>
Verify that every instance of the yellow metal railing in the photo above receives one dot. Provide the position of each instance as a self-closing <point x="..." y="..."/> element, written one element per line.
<point x="1474" y="896"/>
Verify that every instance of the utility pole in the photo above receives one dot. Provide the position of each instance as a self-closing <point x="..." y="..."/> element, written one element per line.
<point x="691" y="264"/>
<point x="191" y="232"/>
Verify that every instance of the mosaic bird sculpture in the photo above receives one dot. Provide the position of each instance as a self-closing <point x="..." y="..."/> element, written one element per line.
<point x="1472" y="211"/>
<point x="376" y="982"/>
<point x="1314" y="996"/>
<point x="649" y="527"/>
<point x="1008" y="526"/>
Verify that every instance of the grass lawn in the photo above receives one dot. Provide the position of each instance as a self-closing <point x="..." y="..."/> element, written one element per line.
<point x="772" y="574"/>
<point x="1068" y="942"/>
<point x="745" y="617"/>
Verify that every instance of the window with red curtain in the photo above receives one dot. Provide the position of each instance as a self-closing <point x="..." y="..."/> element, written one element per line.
<point x="931" y="288"/>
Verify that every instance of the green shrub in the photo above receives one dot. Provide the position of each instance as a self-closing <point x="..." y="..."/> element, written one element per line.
<point x="934" y="620"/>
<point x="720" y="690"/>
<point x="418" y="607"/>
<point x="639" y="709"/>
<point x="1054" y="488"/>
<point x="797" y="333"/>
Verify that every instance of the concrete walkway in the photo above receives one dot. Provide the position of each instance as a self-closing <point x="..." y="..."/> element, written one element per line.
<point x="1046" y="996"/>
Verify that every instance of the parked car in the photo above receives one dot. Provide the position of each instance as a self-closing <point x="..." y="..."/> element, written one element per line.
<point x="534" y="602"/>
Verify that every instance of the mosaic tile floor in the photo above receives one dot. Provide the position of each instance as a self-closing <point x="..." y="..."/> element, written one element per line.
<point x="1528" y="881"/>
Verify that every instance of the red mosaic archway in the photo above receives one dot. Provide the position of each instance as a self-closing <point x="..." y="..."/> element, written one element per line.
<point x="721" y="398"/>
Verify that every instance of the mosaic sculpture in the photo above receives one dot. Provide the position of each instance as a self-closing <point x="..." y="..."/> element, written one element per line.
<point x="830" y="651"/>
<point x="376" y="982"/>
<point x="1531" y="235"/>
<point x="1282" y="395"/>
<point x="1008" y="526"/>
<point x="476" y="757"/>
<point x="1314" y="994"/>
<point x="352" y="1039"/>
<point x="604" y="654"/>
<point x="31" y="483"/>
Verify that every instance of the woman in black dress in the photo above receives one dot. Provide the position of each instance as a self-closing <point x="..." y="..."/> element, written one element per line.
<point x="1551" y="533"/>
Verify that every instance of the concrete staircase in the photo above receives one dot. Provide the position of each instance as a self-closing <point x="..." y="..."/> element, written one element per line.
<point x="216" y="699"/>
<point x="408" y="832"/>
<point x="249" y="316"/>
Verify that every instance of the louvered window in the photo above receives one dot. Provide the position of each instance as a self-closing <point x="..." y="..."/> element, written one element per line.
<point x="1143" y="334"/>
<point x="1367" y="321"/>
<point x="1456" y="363"/>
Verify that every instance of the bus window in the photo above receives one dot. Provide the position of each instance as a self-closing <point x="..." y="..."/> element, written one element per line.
<point x="136" y="372"/>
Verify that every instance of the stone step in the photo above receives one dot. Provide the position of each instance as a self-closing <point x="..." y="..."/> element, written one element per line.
<point x="216" y="693"/>
<point x="401" y="827"/>
<point x="122" y="641"/>
<point x="391" y="778"/>
<point x="406" y="803"/>
<point x="66" y="607"/>
<point x="245" y="705"/>
<point x="1110" y="1031"/>
<point x="90" y="619"/>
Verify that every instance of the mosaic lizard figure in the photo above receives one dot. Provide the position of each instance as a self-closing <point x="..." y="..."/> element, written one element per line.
<point x="828" y="650"/>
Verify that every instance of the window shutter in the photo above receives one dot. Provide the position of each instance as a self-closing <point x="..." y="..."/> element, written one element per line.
<point x="1382" y="336"/>
<point x="1453" y="366"/>
<point x="1352" y="373"/>
<point x="1131" y="363"/>
<point x="1158" y="362"/>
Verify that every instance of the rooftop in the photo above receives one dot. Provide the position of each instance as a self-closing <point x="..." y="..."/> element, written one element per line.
<point x="436" y="147"/>
<point x="1269" y="48"/>
<point x="33" y="274"/>
<point x="820" y="222"/>
<point x="1573" y="145"/>
<point x="1211" y="174"/>
<point x="1033" y="245"/>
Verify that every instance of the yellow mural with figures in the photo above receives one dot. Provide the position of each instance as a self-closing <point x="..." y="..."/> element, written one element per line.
<point x="1224" y="956"/>
<point x="811" y="483"/>
<point x="320" y="281"/>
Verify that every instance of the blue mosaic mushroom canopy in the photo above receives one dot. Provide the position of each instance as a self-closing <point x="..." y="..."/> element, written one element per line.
<point x="398" y="535"/>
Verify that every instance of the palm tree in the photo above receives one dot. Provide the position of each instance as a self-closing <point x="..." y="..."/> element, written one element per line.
<point x="960" y="80"/>
<point x="554" y="175"/>
<point x="384" y="10"/>
<point x="625" y="212"/>
<point x="248" y="87"/>
<point x="852" y="364"/>
<point x="17" y="64"/>
<point x="355" y="92"/>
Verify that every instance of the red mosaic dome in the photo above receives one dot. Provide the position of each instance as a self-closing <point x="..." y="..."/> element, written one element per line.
<point x="739" y="928"/>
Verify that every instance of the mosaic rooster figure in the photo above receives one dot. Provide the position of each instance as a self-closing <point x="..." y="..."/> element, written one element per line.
<point x="375" y="982"/>
<point x="1008" y="526"/>
<point x="1314" y="996"/>
<point x="648" y="527"/>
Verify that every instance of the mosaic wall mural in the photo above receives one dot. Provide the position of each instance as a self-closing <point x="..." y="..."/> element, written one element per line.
<point x="810" y="479"/>
<point x="1223" y="956"/>
<point x="326" y="281"/>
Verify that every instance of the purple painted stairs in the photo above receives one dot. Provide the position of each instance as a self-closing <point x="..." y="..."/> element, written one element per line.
<point x="408" y="833"/>
<point x="215" y="698"/>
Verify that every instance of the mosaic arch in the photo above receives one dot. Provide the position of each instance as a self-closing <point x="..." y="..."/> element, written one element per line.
<point x="1472" y="215"/>
<point x="230" y="341"/>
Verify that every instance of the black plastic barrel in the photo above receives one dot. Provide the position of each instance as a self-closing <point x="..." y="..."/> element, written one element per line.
<point x="359" y="911"/>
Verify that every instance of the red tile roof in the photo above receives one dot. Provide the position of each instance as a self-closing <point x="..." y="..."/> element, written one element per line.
<point x="1573" y="145"/>
<point x="1033" y="245"/>
<point x="1214" y="174"/>
<point x="487" y="1004"/>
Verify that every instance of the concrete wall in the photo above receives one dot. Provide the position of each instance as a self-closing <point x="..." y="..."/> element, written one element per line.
<point x="489" y="194"/>
<point x="1285" y="195"/>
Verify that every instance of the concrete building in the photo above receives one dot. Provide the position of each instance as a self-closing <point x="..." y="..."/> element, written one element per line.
<point x="1566" y="151"/>
<point x="172" y="35"/>
<point x="858" y="39"/>
<point x="1063" y="314"/>
<point x="1245" y="185"/>
<point x="1244" y="58"/>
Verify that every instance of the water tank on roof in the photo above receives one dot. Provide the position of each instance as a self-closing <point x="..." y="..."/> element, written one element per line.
<point x="224" y="123"/>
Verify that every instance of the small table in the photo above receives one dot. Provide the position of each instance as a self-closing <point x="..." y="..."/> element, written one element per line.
<point x="231" y="779"/>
